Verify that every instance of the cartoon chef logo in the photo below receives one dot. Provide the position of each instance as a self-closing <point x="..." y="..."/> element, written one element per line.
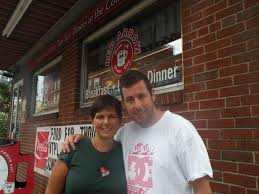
<point x="121" y="51"/>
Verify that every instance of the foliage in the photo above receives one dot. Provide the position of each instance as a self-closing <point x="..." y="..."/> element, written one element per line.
<point x="5" y="99"/>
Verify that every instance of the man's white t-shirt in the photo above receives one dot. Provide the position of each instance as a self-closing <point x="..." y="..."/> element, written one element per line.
<point x="163" y="158"/>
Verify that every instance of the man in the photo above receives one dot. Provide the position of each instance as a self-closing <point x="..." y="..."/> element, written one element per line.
<point x="162" y="151"/>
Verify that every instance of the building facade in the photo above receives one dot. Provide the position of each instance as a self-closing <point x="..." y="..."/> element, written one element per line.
<point x="200" y="56"/>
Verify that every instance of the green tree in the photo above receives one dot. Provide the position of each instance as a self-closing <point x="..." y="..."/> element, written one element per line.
<point x="5" y="101"/>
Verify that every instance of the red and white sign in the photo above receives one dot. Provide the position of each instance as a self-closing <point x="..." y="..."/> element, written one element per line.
<point x="120" y="52"/>
<point x="48" y="144"/>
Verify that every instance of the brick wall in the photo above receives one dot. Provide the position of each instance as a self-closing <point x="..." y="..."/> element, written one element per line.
<point x="221" y="96"/>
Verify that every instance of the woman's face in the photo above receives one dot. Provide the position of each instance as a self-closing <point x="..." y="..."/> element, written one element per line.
<point x="106" y="123"/>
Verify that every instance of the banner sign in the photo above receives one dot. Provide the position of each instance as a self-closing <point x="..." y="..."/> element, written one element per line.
<point x="93" y="16"/>
<point x="49" y="141"/>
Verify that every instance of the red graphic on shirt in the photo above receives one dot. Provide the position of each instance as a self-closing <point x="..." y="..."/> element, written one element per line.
<point x="140" y="164"/>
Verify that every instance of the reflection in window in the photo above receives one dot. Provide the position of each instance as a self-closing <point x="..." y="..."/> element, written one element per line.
<point x="47" y="90"/>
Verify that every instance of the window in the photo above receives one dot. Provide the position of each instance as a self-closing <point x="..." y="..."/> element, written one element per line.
<point x="158" y="29"/>
<point x="47" y="88"/>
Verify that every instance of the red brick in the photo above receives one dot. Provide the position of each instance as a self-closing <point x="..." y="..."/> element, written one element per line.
<point x="234" y="91"/>
<point x="252" y="22"/>
<point x="232" y="50"/>
<point x="236" y="112"/>
<point x="221" y="123"/>
<point x="208" y="114"/>
<point x="201" y="5"/>
<point x="236" y="134"/>
<point x="250" y="3"/>
<point x="248" y="169"/>
<point x="253" y="43"/>
<point x="193" y="70"/>
<point x="230" y="30"/>
<point x="250" y="99"/>
<point x="256" y="133"/>
<point x="253" y="65"/>
<point x="187" y="46"/>
<point x="188" y="115"/>
<point x="233" y="101"/>
<point x="229" y="11"/>
<point x="224" y="166"/>
<point x="233" y="70"/>
<point x="186" y="13"/>
<point x="204" y="40"/>
<point x="237" y="190"/>
<point x="211" y="46"/>
<point x="255" y="110"/>
<point x="187" y="29"/>
<point x="219" y="5"/>
<point x="250" y="191"/>
<point x="191" y="19"/>
<point x="206" y="95"/>
<point x="221" y="144"/>
<point x="215" y="27"/>
<point x="200" y="124"/>
<point x="218" y="63"/>
<point x="194" y="87"/>
<point x="193" y="105"/>
<point x="203" y="22"/>
<point x="244" y="57"/>
<point x="248" y="145"/>
<point x="190" y="36"/>
<point x="210" y="134"/>
<point x="246" y="78"/>
<point x="203" y="31"/>
<point x="179" y="107"/>
<point x="245" y="35"/>
<point x="216" y="155"/>
<point x="220" y="188"/>
<point x="241" y="180"/>
<point x="252" y="122"/>
<point x="229" y="21"/>
<point x="188" y="97"/>
<point x="238" y="156"/>
<point x="188" y="63"/>
<point x="193" y="53"/>
<point x="211" y="104"/>
<point x="205" y="57"/>
<point x="209" y="75"/>
<point x="218" y="83"/>
<point x="257" y="158"/>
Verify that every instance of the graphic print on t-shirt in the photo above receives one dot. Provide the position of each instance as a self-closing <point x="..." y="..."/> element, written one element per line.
<point x="140" y="165"/>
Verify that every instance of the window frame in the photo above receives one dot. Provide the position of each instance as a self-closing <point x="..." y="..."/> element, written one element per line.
<point x="52" y="63"/>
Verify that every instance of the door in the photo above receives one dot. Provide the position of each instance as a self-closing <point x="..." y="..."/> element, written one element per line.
<point x="16" y="109"/>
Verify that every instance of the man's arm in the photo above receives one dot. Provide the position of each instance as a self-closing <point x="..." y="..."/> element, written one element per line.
<point x="57" y="178"/>
<point x="201" y="186"/>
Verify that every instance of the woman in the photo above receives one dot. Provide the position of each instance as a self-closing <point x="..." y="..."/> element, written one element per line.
<point x="96" y="165"/>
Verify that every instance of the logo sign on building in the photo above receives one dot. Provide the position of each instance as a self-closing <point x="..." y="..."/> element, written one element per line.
<point x="49" y="141"/>
<point x="121" y="51"/>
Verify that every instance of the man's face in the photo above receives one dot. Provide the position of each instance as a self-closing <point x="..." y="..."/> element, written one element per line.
<point x="139" y="103"/>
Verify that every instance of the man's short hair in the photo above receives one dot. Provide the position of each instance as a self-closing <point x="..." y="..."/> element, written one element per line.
<point x="131" y="77"/>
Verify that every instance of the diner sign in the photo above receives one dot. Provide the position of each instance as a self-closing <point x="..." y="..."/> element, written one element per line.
<point x="49" y="141"/>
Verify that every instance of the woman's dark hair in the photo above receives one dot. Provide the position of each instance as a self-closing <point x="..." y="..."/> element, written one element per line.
<point x="131" y="77"/>
<point x="106" y="101"/>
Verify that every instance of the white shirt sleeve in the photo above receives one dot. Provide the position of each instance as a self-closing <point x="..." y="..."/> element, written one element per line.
<point x="192" y="153"/>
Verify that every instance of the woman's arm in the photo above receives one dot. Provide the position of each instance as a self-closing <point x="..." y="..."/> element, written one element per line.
<point x="57" y="178"/>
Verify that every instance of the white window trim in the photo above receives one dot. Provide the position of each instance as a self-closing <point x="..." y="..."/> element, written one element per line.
<point x="49" y="65"/>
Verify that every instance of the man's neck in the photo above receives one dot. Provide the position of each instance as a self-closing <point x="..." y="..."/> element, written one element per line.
<point x="157" y="114"/>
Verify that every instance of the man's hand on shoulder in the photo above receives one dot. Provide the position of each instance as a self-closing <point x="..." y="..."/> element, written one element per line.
<point x="70" y="141"/>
